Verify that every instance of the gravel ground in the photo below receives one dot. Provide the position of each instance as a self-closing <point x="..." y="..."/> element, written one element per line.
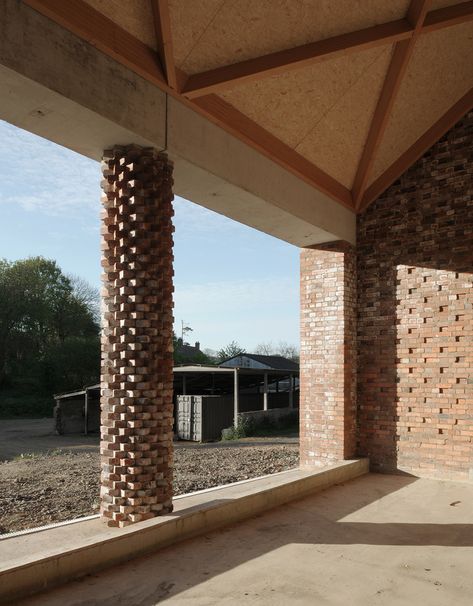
<point x="43" y="489"/>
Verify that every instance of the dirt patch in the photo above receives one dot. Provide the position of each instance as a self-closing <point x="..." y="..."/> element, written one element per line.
<point x="65" y="485"/>
<point x="19" y="436"/>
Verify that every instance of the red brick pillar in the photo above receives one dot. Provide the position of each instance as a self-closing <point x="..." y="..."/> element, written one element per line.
<point x="137" y="361"/>
<point x="328" y="354"/>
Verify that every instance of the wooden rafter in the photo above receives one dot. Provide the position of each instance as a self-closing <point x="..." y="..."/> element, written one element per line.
<point x="397" y="68"/>
<point x="83" y="20"/>
<point x="429" y="138"/>
<point x="222" y="78"/>
<point x="225" y="77"/>
<point x="162" y="26"/>
<point x="448" y="16"/>
<point x="235" y="122"/>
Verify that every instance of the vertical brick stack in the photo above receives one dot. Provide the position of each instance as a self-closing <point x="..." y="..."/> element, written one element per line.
<point x="415" y="324"/>
<point x="136" y="401"/>
<point x="328" y="353"/>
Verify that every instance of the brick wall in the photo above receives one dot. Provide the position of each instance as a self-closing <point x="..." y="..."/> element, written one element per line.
<point x="328" y="352"/>
<point x="415" y="322"/>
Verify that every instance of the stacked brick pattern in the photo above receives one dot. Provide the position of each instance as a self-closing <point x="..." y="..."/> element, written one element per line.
<point x="328" y="353"/>
<point x="136" y="401"/>
<point x="415" y="324"/>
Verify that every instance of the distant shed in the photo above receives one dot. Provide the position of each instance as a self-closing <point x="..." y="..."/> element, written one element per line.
<point x="220" y="393"/>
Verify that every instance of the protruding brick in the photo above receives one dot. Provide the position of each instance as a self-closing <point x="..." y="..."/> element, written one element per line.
<point x="415" y="316"/>
<point x="137" y="335"/>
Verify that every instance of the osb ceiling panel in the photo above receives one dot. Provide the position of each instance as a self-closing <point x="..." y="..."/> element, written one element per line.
<point x="190" y="21"/>
<point x="336" y="142"/>
<point x="136" y="16"/>
<point x="291" y="105"/>
<point x="440" y="72"/>
<point x="212" y="33"/>
<point x="435" y="4"/>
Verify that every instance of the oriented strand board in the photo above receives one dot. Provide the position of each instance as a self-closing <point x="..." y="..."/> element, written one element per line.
<point x="190" y="20"/>
<point x="336" y="143"/>
<point x="136" y="16"/>
<point x="212" y="33"/>
<point x="291" y="105"/>
<point x="435" y="4"/>
<point x="439" y="73"/>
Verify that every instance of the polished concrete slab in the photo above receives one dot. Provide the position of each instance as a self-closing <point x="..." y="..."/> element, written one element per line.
<point x="378" y="539"/>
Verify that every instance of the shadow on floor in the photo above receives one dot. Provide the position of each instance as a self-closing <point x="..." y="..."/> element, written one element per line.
<point x="353" y="527"/>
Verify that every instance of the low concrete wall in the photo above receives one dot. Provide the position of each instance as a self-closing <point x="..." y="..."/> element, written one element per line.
<point x="276" y="417"/>
<point x="38" y="561"/>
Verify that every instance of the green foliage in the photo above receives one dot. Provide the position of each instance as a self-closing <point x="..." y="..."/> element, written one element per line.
<point x="234" y="433"/>
<point x="229" y="351"/>
<point x="15" y="402"/>
<point x="71" y="364"/>
<point x="49" y="333"/>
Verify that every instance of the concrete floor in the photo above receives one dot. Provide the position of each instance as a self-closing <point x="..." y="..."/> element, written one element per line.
<point x="376" y="540"/>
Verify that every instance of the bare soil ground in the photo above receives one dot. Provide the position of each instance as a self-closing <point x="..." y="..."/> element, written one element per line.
<point x="57" y="485"/>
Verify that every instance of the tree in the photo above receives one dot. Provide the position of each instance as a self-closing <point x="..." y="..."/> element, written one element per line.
<point x="230" y="351"/>
<point x="265" y="349"/>
<point x="284" y="349"/>
<point x="48" y="327"/>
<point x="87" y="295"/>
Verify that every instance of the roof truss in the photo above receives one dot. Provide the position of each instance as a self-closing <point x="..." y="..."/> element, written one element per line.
<point x="229" y="76"/>
<point x="397" y="68"/>
<point x="223" y="78"/>
<point x="197" y="90"/>
<point x="411" y="155"/>
<point x="235" y="122"/>
<point x="162" y="26"/>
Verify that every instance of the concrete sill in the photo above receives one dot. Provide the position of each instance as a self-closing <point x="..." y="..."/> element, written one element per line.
<point x="32" y="562"/>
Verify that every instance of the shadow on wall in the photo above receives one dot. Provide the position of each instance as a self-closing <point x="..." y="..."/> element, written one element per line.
<point x="415" y="324"/>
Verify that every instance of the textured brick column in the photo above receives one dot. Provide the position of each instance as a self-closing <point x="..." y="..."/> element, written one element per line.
<point x="328" y="354"/>
<point x="136" y="403"/>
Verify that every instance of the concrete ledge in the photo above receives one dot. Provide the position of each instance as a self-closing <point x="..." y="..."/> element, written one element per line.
<point x="37" y="561"/>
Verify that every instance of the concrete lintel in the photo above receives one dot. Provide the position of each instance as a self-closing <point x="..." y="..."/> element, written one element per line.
<point x="34" y="562"/>
<point x="41" y="111"/>
<point x="71" y="70"/>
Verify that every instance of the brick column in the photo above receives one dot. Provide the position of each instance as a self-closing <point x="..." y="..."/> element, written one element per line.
<point x="137" y="361"/>
<point x="328" y="354"/>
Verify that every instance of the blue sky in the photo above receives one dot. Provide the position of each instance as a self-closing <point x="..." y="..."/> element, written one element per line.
<point x="231" y="282"/>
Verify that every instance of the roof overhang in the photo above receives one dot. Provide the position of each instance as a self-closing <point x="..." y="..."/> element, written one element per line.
<point x="289" y="119"/>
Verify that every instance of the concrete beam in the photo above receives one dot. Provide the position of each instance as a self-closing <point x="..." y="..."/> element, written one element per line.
<point x="220" y="172"/>
<point x="65" y="90"/>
